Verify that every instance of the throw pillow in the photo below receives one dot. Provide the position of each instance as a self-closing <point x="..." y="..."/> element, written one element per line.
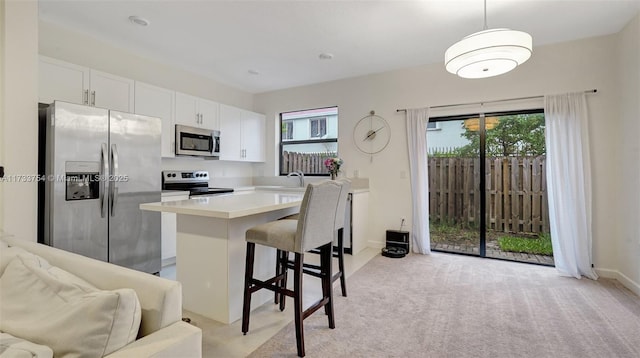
<point x="52" y="307"/>
<point x="13" y="347"/>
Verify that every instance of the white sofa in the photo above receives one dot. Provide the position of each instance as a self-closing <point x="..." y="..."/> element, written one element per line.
<point x="162" y="333"/>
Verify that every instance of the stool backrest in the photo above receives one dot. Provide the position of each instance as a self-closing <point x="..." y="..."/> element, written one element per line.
<point x="317" y="218"/>
<point x="342" y="203"/>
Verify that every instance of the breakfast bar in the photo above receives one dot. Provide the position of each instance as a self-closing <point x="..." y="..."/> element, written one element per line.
<point x="210" y="247"/>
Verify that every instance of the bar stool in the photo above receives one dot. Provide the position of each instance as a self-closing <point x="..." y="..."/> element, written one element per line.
<point x="313" y="229"/>
<point x="337" y="251"/>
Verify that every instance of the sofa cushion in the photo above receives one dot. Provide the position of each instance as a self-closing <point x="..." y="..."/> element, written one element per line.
<point x="13" y="347"/>
<point x="49" y="306"/>
<point x="8" y="253"/>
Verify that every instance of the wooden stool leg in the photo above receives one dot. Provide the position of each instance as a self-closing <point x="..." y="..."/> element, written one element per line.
<point x="343" y="279"/>
<point x="248" y="276"/>
<point x="326" y="255"/>
<point x="283" y="282"/>
<point x="297" y="302"/>
<point x="276" y="295"/>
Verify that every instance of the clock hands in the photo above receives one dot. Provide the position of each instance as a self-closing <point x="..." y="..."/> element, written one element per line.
<point x="371" y="134"/>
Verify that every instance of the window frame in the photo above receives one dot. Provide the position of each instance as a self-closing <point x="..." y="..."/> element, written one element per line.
<point x="318" y="121"/>
<point x="289" y="124"/>
<point x="282" y="143"/>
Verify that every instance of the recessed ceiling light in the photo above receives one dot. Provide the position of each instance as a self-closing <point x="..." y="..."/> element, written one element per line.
<point x="325" y="56"/>
<point x="253" y="72"/>
<point x="139" y="20"/>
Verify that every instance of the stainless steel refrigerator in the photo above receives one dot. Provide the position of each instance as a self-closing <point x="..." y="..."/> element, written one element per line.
<point x="99" y="166"/>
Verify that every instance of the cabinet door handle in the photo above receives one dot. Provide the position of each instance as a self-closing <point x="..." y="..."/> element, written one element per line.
<point x="93" y="98"/>
<point x="85" y="97"/>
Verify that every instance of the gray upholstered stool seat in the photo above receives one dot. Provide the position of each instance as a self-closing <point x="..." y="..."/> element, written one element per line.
<point x="280" y="234"/>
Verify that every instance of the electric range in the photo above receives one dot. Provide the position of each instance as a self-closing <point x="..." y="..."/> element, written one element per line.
<point x="194" y="181"/>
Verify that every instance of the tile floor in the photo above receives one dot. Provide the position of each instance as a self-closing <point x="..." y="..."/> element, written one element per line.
<point x="221" y="340"/>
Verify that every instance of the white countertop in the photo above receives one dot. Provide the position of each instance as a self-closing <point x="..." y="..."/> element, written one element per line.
<point x="168" y="193"/>
<point x="232" y="205"/>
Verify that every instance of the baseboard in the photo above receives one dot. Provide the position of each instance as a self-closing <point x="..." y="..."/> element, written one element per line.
<point x="620" y="277"/>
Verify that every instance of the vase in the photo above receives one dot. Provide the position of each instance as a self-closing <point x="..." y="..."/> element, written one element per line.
<point x="333" y="176"/>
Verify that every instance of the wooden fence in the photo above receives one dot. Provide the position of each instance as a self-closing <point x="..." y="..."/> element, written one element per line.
<point x="309" y="163"/>
<point x="516" y="192"/>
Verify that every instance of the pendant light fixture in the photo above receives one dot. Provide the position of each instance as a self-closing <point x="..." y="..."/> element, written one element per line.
<point x="488" y="53"/>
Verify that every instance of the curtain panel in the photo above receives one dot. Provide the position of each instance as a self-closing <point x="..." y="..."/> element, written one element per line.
<point x="569" y="183"/>
<point x="418" y="165"/>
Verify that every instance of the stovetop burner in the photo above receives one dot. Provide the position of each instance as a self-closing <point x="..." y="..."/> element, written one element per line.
<point x="195" y="181"/>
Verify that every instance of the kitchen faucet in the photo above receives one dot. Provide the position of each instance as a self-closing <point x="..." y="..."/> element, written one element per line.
<point x="299" y="174"/>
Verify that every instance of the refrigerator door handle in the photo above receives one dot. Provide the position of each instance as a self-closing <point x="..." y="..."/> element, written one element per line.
<point x="104" y="168"/>
<point x="113" y="189"/>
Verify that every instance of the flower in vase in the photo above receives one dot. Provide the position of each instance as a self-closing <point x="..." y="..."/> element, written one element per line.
<point x="333" y="165"/>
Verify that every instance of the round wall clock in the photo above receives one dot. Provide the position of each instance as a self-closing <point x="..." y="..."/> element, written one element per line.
<point x="371" y="134"/>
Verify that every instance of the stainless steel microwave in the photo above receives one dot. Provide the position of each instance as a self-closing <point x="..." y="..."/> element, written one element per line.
<point x="197" y="142"/>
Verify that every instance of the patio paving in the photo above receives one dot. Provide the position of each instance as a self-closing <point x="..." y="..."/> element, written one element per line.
<point x="493" y="251"/>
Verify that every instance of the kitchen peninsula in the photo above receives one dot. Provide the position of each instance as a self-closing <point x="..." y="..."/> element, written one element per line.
<point x="210" y="247"/>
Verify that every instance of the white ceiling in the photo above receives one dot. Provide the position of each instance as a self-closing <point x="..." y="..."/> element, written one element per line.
<point x="281" y="40"/>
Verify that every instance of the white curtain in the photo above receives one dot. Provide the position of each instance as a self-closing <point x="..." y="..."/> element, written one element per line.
<point x="418" y="164"/>
<point x="569" y="183"/>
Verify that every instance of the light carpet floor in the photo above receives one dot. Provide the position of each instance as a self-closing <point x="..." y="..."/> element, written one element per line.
<point x="443" y="305"/>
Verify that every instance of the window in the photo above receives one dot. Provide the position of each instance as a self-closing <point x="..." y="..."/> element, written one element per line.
<point x="318" y="127"/>
<point x="287" y="130"/>
<point x="307" y="138"/>
<point x="432" y="126"/>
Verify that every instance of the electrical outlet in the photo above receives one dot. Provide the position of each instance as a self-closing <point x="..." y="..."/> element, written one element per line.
<point x="356" y="173"/>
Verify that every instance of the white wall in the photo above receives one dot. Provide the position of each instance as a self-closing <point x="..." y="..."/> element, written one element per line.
<point x="628" y="65"/>
<point x="2" y="163"/>
<point x="572" y="66"/>
<point x="20" y="110"/>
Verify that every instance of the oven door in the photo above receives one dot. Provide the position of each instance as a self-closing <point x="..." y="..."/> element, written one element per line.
<point x="199" y="142"/>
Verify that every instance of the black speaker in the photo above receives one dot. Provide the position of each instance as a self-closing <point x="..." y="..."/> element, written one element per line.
<point x="399" y="239"/>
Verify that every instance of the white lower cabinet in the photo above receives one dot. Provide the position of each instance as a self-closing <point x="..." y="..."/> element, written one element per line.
<point x="168" y="232"/>
<point x="359" y="219"/>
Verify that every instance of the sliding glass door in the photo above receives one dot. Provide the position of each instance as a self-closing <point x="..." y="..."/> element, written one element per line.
<point x="487" y="187"/>
<point x="454" y="190"/>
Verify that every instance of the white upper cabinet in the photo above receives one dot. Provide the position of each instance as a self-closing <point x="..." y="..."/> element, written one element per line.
<point x="242" y="135"/>
<point x="230" y="127"/>
<point x="158" y="102"/>
<point x="196" y="112"/>
<point x="253" y="136"/>
<point x="111" y="91"/>
<point x="209" y="114"/>
<point x="63" y="81"/>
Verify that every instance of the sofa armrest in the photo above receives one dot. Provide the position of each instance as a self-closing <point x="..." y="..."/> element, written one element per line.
<point x="179" y="339"/>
